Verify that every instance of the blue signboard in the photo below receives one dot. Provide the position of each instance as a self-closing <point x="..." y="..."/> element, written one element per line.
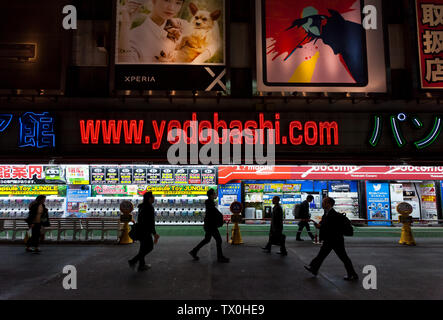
<point x="378" y="204"/>
<point x="228" y="194"/>
<point x="77" y="201"/>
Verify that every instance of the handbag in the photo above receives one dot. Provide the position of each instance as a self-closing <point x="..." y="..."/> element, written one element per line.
<point x="133" y="232"/>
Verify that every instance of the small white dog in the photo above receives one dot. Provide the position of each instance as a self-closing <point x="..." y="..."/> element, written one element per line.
<point x="205" y="34"/>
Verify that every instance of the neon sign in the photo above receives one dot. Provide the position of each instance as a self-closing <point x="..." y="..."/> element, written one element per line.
<point x="395" y="122"/>
<point x="117" y="131"/>
<point x="37" y="130"/>
<point x="5" y="120"/>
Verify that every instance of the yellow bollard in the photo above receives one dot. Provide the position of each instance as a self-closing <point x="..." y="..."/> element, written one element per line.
<point x="236" y="235"/>
<point x="126" y="208"/>
<point x="406" y="238"/>
<point x="124" y="238"/>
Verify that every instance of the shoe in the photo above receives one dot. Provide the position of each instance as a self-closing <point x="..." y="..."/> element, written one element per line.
<point x="36" y="250"/>
<point x="283" y="253"/>
<point x="223" y="260"/>
<point x="144" y="267"/>
<point x="29" y="250"/>
<point x="299" y="240"/>
<point x="267" y="250"/>
<point x="351" y="278"/>
<point x="132" y="264"/>
<point x="311" y="270"/>
<point x="194" y="255"/>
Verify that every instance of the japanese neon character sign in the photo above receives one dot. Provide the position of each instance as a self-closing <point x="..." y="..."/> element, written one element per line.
<point x="395" y="124"/>
<point x="37" y="130"/>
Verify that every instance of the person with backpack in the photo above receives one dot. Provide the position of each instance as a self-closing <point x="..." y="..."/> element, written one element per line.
<point x="276" y="235"/>
<point x="333" y="227"/>
<point x="145" y="230"/>
<point x="213" y="220"/>
<point x="304" y="216"/>
<point x="38" y="217"/>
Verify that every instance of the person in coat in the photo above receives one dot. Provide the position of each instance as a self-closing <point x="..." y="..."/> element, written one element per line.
<point x="38" y="217"/>
<point x="145" y="232"/>
<point x="331" y="233"/>
<point x="213" y="220"/>
<point x="304" y="218"/>
<point x="276" y="235"/>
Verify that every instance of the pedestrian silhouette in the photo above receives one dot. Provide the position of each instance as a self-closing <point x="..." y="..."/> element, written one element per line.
<point x="38" y="217"/>
<point x="331" y="233"/>
<point x="276" y="236"/>
<point x="144" y="232"/>
<point x="304" y="217"/>
<point x="213" y="220"/>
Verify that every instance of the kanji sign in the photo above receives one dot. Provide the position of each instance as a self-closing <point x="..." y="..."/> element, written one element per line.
<point x="430" y="37"/>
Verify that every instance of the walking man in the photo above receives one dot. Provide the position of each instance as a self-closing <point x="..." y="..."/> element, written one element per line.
<point x="304" y="217"/>
<point x="331" y="233"/>
<point x="145" y="231"/>
<point x="276" y="235"/>
<point x="213" y="220"/>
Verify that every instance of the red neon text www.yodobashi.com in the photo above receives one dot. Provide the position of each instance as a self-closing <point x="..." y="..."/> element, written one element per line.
<point x="131" y="131"/>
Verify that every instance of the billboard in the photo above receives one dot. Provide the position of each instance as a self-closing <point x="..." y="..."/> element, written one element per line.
<point x="320" y="46"/>
<point x="170" y="45"/>
<point x="430" y="34"/>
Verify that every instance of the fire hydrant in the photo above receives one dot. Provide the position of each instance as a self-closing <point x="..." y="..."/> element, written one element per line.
<point x="406" y="238"/>
<point x="126" y="207"/>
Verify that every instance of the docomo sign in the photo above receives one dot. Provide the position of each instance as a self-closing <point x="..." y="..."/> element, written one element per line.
<point x="229" y="173"/>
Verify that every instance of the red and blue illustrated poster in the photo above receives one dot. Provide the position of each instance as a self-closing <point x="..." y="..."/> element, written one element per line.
<point x="430" y="42"/>
<point x="320" y="44"/>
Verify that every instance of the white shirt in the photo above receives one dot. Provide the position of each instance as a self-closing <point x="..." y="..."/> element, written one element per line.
<point x="147" y="41"/>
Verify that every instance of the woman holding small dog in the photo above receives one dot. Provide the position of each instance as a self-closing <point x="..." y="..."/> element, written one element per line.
<point x="160" y="37"/>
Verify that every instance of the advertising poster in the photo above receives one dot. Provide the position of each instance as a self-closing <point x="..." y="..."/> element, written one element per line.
<point x="97" y="175"/>
<point x="377" y="200"/>
<point x="428" y="197"/>
<point x="227" y="194"/>
<point x="429" y="35"/>
<point x="319" y="45"/>
<point x="405" y="192"/>
<point x="154" y="175"/>
<point x="33" y="190"/>
<point x="126" y="175"/>
<point x="170" y="45"/>
<point x="32" y="174"/>
<point x="194" y="176"/>
<point x="209" y="176"/>
<point x="77" y="201"/>
<point x="114" y="190"/>
<point x="167" y="176"/>
<point x="175" y="189"/>
<point x="181" y="176"/>
<point x="140" y="176"/>
<point x="76" y="175"/>
<point x="111" y="175"/>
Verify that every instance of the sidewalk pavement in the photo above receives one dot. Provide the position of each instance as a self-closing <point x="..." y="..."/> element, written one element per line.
<point x="103" y="273"/>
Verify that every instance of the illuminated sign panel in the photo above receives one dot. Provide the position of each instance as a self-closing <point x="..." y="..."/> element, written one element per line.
<point x="230" y="173"/>
<point x="430" y="42"/>
<point x="181" y="47"/>
<point x="319" y="46"/>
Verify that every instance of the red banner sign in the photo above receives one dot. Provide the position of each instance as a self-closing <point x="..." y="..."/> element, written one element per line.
<point x="229" y="173"/>
<point x="430" y="37"/>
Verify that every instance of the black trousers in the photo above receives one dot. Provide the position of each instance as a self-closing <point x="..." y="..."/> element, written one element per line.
<point x="339" y="248"/>
<point x="301" y="225"/>
<point x="211" y="233"/>
<point x="278" y="239"/>
<point x="34" y="241"/>
<point x="146" y="246"/>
